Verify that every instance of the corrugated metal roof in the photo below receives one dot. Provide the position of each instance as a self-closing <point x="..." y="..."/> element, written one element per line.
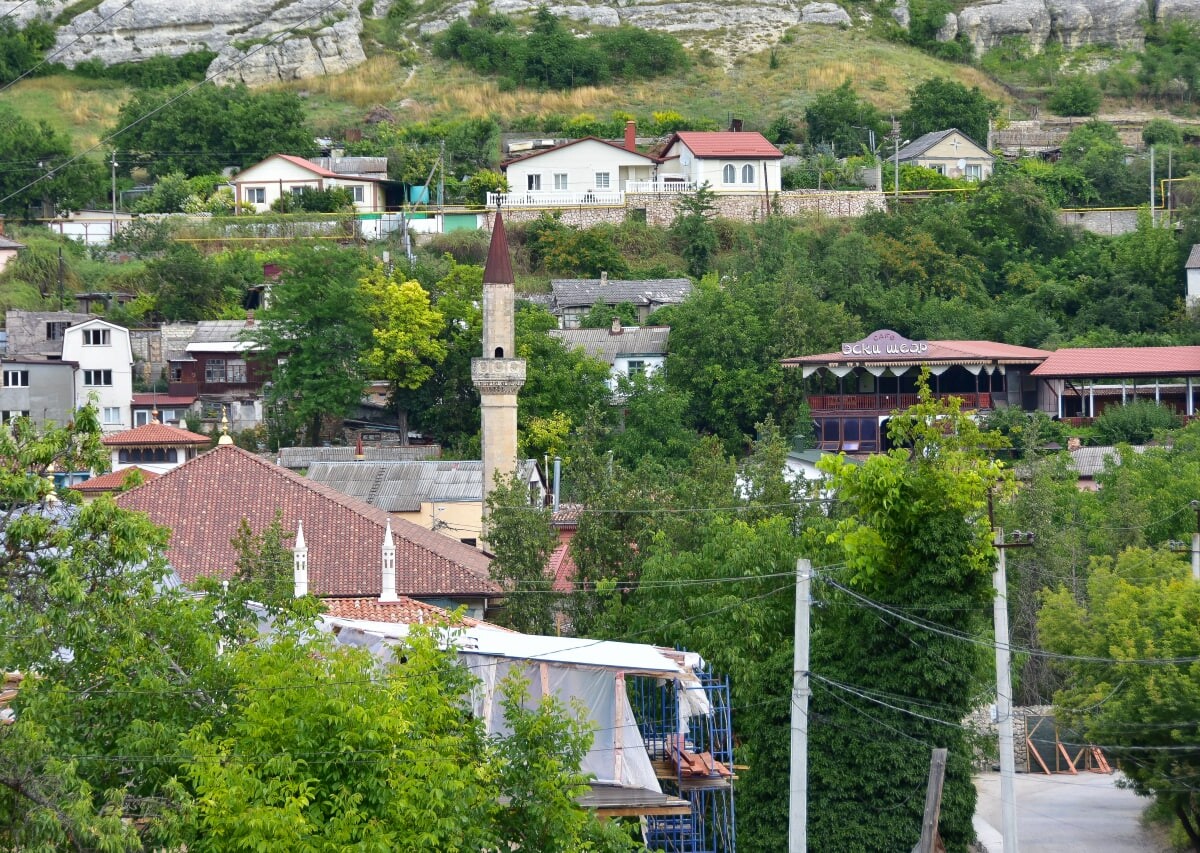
<point x="1089" y="461"/>
<point x="603" y="344"/>
<point x="220" y="331"/>
<point x="1120" y="362"/>
<point x="579" y="292"/>
<point x="404" y="486"/>
<point x="303" y="457"/>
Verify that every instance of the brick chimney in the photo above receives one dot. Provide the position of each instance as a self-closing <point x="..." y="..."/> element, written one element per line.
<point x="615" y="328"/>
<point x="631" y="136"/>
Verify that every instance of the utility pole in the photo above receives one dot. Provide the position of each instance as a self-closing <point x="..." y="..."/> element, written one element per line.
<point x="113" y="234"/>
<point x="798" y="790"/>
<point x="1196" y="544"/>
<point x="896" y="160"/>
<point x="1004" y="722"/>
<point x="1151" y="183"/>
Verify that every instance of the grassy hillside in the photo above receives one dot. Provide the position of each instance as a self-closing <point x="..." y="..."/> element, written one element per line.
<point x="83" y="109"/>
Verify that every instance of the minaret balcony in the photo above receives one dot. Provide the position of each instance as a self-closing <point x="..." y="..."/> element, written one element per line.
<point x="498" y="375"/>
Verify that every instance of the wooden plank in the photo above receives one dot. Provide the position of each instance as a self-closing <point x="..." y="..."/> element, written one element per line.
<point x="1033" y="751"/>
<point x="1066" y="756"/>
<point x="933" y="803"/>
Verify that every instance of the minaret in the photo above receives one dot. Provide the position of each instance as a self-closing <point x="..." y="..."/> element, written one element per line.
<point x="300" y="563"/>
<point x="498" y="374"/>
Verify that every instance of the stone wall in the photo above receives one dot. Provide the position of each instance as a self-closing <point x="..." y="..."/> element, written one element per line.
<point x="658" y="209"/>
<point x="981" y="722"/>
<point x="1107" y="223"/>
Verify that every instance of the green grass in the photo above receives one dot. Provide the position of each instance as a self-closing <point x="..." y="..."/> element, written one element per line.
<point x="82" y="108"/>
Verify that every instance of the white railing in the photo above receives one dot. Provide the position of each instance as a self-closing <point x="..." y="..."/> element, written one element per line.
<point x="555" y="198"/>
<point x="660" y="186"/>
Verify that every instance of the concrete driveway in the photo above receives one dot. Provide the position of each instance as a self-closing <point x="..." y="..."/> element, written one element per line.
<point x="1066" y="814"/>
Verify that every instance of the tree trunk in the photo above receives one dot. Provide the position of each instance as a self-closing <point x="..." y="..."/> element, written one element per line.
<point x="1193" y="832"/>
<point x="314" y="431"/>
<point x="402" y="423"/>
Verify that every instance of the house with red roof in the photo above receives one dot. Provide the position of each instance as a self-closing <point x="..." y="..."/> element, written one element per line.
<point x="344" y="540"/>
<point x="154" y="447"/>
<point x="262" y="184"/>
<point x="729" y="161"/>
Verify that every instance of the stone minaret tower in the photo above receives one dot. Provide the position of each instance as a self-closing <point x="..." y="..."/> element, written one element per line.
<point x="498" y="375"/>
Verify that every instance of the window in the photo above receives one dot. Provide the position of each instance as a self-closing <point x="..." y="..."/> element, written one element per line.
<point x="112" y="415"/>
<point x="747" y="174"/>
<point x="533" y="183"/>
<point x="729" y="174"/>
<point x="16" y="379"/>
<point x="974" y="171"/>
<point x="146" y="454"/>
<point x="54" y="331"/>
<point x="635" y="367"/>
<point x="602" y="180"/>
<point x="95" y="337"/>
<point x="176" y="373"/>
<point x="235" y="371"/>
<point x="141" y="417"/>
<point x="296" y="191"/>
<point x="560" y="180"/>
<point x="10" y="416"/>
<point x="97" y="378"/>
<point x="357" y="195"/>
<point x="256" y="195"/>
<point x="938" y="167"/>
<point x="214" y="370"/>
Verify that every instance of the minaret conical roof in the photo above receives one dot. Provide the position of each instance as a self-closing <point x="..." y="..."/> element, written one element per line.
<point x="498" y="269"/>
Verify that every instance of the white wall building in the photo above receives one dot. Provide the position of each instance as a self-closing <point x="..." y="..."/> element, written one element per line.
<point x="585" y="171"/>
<point x="262" y="184"/>
<point x="105" y="372"/>
<point x="729" y="161"/>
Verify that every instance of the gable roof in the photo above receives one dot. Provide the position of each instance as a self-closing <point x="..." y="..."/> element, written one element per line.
<point x="603" y="344"/>
<point x="1120" y="362"/>
<point x="498" y="268"/>
<point x="726" y="143"/>
<point x="1193" y="261"/>
<point x="402" y="611"/>
<point x="112" y="481"/>
<point x="923" y="143"/>
<point x="586" y="292"/>
<point x="156" y="434"/>
<point x="310" y="166"/>
<point x="404" y="486"/>
<point x="204" y="500"/>
<point x="945" y="352"/>
<point x="505" y="164"/>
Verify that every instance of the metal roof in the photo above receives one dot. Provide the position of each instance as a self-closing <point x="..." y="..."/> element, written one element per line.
<point x="1193" y="261"/>
<point x="923" y="143"/>
<point x="404" y="486"/>
<point x="580" y="292"/>
<point x="221" y="331"/>
<point x="304" y="457"/>
<point x="1120" y="362"/>
<point x="938" y="352"/>
<point x="603" y="344"/>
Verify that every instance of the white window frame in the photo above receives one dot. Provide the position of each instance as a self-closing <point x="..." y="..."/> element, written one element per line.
<point x="603" y="180"/>
<point x="635" y="367"/>
<point x="97" y="378"/>
<point x="210" y="370"/>
<point x="561" y="181"/>
<point x="256" y="195"/>
<point x="533" y="182"/>
<point x="96" y="338"/>
<point x="729" y="174"/>
<point x="357" y="193"/>
<point x="235" y="371"/>
<point x="973" y="171"/>
<point x="111" y="415"/>
<point x="748" y="173"/>
<point x="141" y="417"/>
<point x="16" y="379"/>
<point x="8" y="416"/>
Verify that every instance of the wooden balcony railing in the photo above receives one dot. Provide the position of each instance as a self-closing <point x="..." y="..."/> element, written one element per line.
<point x="888" y="402"/>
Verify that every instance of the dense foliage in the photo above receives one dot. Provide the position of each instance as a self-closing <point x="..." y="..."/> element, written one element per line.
<point x="551" y="56"/>
<point x="42" y="175"/>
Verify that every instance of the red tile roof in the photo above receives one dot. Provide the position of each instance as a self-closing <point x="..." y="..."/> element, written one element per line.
<point x="157" y="434"/>
<point x="162" y="400"/>
<point x="204" y="500"/>
<point x="726" y="143"/>
<point x="308" y="164"/>
<point x="1118" y="362"/>
<point x="405" y="611"/>
<point x="953" y="352"/>
<point x="113" y="480"/>
<point x="561" y="568"/>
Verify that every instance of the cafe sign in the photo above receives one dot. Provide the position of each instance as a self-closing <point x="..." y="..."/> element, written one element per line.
<point x="885" y="342"/>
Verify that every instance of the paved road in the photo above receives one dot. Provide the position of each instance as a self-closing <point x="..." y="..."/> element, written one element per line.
<point x="1069" y="814"/>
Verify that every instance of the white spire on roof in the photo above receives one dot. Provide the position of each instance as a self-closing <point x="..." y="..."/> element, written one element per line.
<point x="300" y="563"/>
<point x="388" y="590"/>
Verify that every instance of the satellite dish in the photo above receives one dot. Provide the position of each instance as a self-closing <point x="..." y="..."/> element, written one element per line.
<point x="962" y="164"/>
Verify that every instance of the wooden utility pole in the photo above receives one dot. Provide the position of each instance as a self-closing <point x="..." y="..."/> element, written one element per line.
<point x="798" y="790"/>
<point x="933" y="803"/>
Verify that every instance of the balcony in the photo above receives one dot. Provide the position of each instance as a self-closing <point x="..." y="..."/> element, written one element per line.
<point x="556" y="198"/>
<point x="661" y="186"/>
<point x="888" y="402"/>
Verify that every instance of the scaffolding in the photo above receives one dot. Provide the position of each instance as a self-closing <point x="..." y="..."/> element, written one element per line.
<point x="693" y="761"/>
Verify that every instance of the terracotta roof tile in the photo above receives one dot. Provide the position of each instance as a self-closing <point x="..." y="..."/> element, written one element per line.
<point x="726" y="143"/>
<point x="113" y="480"/>
<point x="951" y="351"/>
<point x="561" y="568"/>
<point x="405" y="611"/>
<point x="1117" y="362"/>
<point x="153" y="433"/>
<point x="162" y="400"/>
<point x="203" y="501"/>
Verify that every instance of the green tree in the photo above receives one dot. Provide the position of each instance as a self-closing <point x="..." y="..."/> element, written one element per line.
<point x="939" y="104"/>
<point x="1143" y="606"/>
<point x="43" y="176"/>
<point x="601" y="315"/>
<point x="693" y="230"/>
<point x="187" y="285"/>
<point x="1161" y="131"/>
<point x="314" y="332"/>
<point x="521" y="540"/>
<point x="1095" y="150"/>
<point x="841" y="119"/>
<point x="406" y="346"/>
<point x="1076" y="95"/>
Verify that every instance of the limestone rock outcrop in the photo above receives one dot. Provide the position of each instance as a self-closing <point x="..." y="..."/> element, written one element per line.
<point x="824" y="13"/>
<point x="1073" y="23"/>
<point x="330" y="50"/>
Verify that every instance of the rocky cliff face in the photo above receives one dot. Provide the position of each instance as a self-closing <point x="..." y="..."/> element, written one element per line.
<point x="261" y="41"/>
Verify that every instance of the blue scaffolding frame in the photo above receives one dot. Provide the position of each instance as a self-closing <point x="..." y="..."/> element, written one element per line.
<point x="710" y="827"/>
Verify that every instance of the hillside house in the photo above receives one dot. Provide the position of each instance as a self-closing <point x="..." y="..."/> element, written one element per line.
<point x="154" y="447"/>
<point x="104" y="374"/>
<point x="628" y="350"/>
<point x="729" y="161"/>
<point x="948" y="152"/>
<point x="218" y="368"/>
<point x="262" y="184"/>
<point x="1192" y="269"/>
<point x="39" y="332"/>
<point x="37" y="387"/>
<point x="572" y="298"/>
<point x="9" y="248"/>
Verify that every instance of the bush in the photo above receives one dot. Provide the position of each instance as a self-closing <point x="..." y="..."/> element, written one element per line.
<point x="1159" y="131"/>
<point x="1076" y="96"/>
<point x="23" y="49"/>
<point x="153" y="73"/>
<point x="312" y="200"/>
<point x="1133" y="423"/>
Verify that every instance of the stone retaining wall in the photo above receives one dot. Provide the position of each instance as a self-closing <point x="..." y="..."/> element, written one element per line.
<point x="1106" y="223"/>
<point x="981" y="722"/>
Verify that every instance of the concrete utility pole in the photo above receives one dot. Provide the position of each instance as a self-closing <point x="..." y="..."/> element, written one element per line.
<point x="1151" y="183"/>
<point x="114" y="195"/>
<point x="798" y="790"/>
<point x="1004" y="721"/>
<point x="1196" y="544"/>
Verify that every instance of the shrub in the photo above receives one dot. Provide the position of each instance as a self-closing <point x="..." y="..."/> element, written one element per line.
<point x="1160" y="131"/>
<point x="1133" y="423"/>
<point x="1076" y="96"/>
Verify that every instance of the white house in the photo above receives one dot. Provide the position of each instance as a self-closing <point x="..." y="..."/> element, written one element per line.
<point x="948" y="152"/>
<point x="1192" y="267"/>
<point x="105" y="369"/>
<point x="154" y="447"/>
<point x="729" y="161"/>
<point x="263" y="183"/>
<point x="629" y="350"/>
<point x="584" y="171"/>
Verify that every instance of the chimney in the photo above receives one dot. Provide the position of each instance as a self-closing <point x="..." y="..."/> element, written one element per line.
<point x="603" y="277"/>
<point x="1073" y="443"/>
<point x="359" y="455"/>
<point x="735" y="125"/>
<point x="631" y="136"/>
<point x="300" y="563"/>
<point x="250" y="319"/>
<point x="388" y="592"/>
<point x="615" y="328"/>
